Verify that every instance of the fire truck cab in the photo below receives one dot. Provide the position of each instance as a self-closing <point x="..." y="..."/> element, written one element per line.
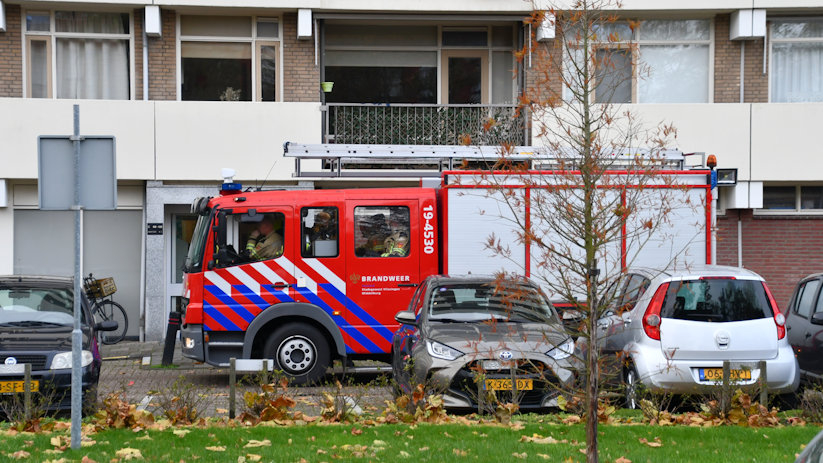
<point x="303" y="277"/>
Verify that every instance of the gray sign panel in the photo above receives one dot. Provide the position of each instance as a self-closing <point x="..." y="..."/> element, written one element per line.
<point x="98" y="177"/>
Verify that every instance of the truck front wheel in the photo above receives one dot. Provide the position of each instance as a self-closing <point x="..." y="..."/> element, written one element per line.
<point x="300" y="351"/>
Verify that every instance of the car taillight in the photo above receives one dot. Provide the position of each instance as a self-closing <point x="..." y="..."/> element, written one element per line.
<point x="651" y="319"/>
<point x="779" y="318"/>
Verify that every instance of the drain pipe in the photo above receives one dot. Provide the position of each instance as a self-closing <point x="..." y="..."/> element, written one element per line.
<point x="145" y="62"/>
<point x="739" y="240"/>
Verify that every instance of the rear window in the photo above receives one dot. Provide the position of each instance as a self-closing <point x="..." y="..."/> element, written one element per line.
<point x="716" y="300"/>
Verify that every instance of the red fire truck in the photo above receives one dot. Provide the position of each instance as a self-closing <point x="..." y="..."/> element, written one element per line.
<point x="304" y="277"/>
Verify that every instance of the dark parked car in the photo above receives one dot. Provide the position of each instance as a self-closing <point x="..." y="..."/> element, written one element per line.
<point x="465" y="335"/>
<point x="36" y="321"/>
<point x="804" y="323"/>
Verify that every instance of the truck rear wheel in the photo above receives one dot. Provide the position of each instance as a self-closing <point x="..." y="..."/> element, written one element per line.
<point x="300" y="351"/>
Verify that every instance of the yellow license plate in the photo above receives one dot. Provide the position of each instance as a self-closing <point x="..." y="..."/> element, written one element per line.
<point x="506" y="384"/>
<point x="716" y="374"/>
<point x="10" y="387"/>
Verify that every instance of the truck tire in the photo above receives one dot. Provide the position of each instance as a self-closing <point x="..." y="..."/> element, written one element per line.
<point x="300" y="351"/>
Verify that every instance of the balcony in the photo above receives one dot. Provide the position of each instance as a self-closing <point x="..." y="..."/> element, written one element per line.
<point x="424" y="124"/>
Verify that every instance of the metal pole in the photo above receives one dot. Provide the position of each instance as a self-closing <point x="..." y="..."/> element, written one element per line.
<point x="27" y="390"/>
<point x="76" y="334"/>
<point x="232" y="386"/>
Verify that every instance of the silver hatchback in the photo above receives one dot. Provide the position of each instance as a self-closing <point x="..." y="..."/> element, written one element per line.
<point x="675" y="328"/>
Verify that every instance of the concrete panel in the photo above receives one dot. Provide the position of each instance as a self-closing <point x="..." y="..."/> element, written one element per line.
<point x="785" y="142"/>
<point x="719" y="129"/>
<point x="130" y="122"/>
<point x="195" y="139"/>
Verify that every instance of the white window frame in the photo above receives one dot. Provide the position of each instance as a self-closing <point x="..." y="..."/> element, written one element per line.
<point x="797" y="203"/>
<point x="53" y="35"/>
<point x="254" y="43"/>
<point x="772" y="40"/>
<point x="638" y="42"/>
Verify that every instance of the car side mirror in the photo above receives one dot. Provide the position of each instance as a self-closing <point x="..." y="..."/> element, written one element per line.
<point x="106" y="325"/>
<point x="406" y="317"/>
<point x="817" y="319"/>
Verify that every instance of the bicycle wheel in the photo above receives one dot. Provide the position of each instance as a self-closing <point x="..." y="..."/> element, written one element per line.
<point x="110" y="310"/>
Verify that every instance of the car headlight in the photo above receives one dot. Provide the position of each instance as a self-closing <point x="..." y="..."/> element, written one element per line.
<point x="563" y="350"/>
<point x="63" y="360"/>
<point x="442" y="351"/>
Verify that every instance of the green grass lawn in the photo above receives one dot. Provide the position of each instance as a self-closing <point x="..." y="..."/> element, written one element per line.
<point x="427" y="443"/>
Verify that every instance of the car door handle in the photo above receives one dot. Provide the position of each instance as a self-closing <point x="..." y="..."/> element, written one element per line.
<point x="280" y="285"/>
<point x="808" y="335"/>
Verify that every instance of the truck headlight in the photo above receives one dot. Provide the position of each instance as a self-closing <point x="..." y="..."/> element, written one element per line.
<point x="63" y="360"/>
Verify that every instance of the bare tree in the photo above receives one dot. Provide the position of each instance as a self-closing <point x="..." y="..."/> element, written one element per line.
<point x="598" y="194"/>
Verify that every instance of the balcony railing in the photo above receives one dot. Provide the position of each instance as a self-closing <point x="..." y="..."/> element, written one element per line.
<point x="414" y="124"/>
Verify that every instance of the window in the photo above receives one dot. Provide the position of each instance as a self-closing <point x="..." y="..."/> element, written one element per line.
<point x="806" y="297"/>
<point x="797" y="51"/>
<point x="381" y="231"/>
<point x="662" y="61"/>
<point x="399" y="63"/>
<point x="251" y="236"/>
<point x="229" y="58"/>
<point x="263" y="236"/>
<point x="320" y="232"/>
<point x="796" y="198"/>
<point x="75" y="54"/>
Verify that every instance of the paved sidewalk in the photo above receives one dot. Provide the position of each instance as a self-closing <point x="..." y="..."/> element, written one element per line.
<point x="124" y="371"/>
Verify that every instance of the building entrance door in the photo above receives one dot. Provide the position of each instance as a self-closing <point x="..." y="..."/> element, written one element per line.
<point x="181" y="226"/>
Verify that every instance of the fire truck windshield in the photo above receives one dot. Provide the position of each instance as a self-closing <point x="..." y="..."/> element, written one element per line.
<point x="194" y="259"/>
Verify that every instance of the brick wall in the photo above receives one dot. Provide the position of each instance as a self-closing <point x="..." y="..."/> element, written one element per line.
<point x="11" y="55"/>
<point x="162" y="60"/>
<point x="727" y="67"/>
<point x="301" y="78"/>
<point x="781" y="249"/>
<point x="138" y="53"/>
<point x="726" y="63"/>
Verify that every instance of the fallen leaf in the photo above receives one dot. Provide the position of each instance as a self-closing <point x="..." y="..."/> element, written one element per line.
<point x="538" y="439"/>
<point x="404" y="454"/>
<point x="181" y="432"/>
<point x="20" y="454"/>
<point x="129" y="454"/>
<point x="460" y="453"/>
<point x="221" y="410"/>
<point x="656" y="443"/>
<point x="86" y="459"/>
<point x="622" y="460"/>
<point x="216" y="448"/>
<point x="520" y="456"/>
<point x="544" y="456"/>
<point x="356" y="431"/>
<point x="258" y="443"/>
<point x="253" y="457"/>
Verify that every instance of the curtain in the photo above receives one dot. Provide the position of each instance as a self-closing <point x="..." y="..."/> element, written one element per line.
<point x="92" y="68"/>
<point x="797" y="72"/>
<point x="676" y="74"/>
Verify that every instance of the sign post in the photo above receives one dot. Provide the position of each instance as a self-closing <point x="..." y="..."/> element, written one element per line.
<point x="93" y="186"/>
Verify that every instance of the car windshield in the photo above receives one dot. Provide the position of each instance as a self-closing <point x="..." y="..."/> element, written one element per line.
<point x="36" y="306"/>
<point x="467" y="302"/>
<point x="716" y="300"/>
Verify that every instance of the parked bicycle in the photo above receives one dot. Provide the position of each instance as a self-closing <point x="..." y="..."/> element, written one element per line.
<point x="99" y="292"/>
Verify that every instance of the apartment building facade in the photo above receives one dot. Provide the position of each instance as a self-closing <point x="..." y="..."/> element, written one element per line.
<point x="190" y="87"/>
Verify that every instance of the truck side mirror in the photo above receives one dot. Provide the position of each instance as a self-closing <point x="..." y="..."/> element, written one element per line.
<point x="817" y="319"/>
<point x="220" y="230"/>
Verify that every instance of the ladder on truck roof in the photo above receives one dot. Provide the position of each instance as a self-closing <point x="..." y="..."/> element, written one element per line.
<point x="431" y="160"/>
